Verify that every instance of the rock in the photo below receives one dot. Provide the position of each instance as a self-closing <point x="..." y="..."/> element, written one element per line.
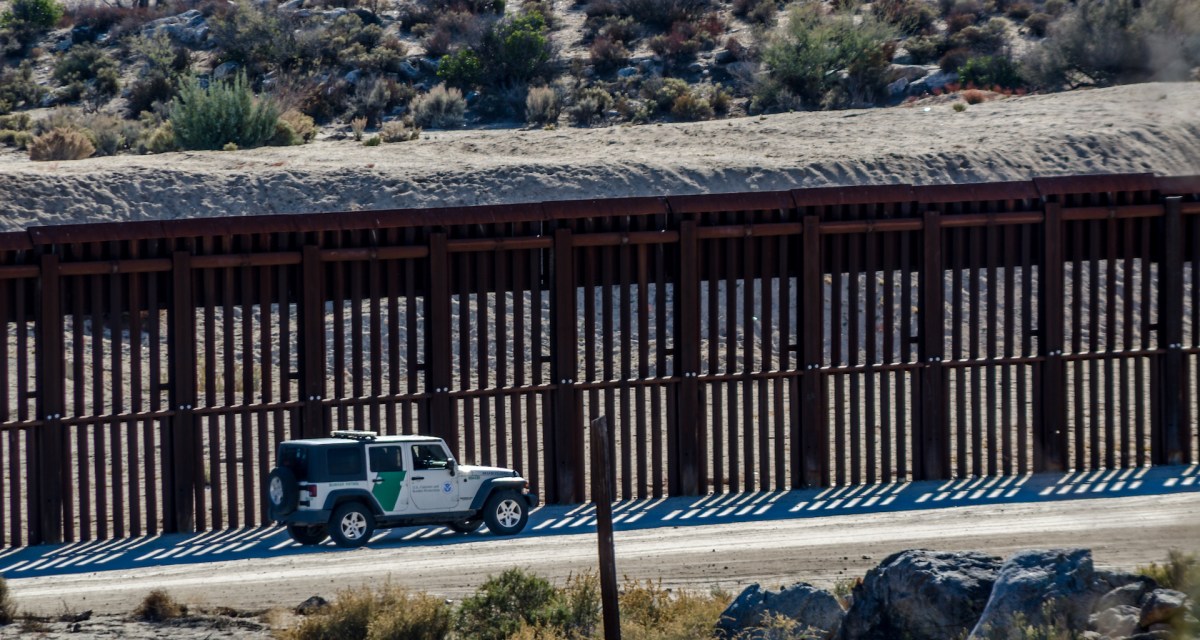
<point x="921" y="595"/>
<point x="1115" y="622"/>
<point x="409" y="71"/>
<point x="724" y="56"/>
<point x="695" y="67"/>
<point x="1042" y="588"/>
<point x="626" y="72"/>
<point x="315" y="604"/>
<point x="224" y="70"/>
<point x="82" y="33"/>
<point x="428" y="65"/>
<point x="935" y="80"/>
<point x="1162" y="606"/>
<point x="189" y="27"/>
<point x="898" y="87"/>
<point x="64" y="45"/>
<point x="1128" y="595"/>
<point x="909" y="72"/>
<point x="292" y="5"/>
<point x="353" y="76"/>
<point x="334" y="14"/>
<point x="813" y="608"/>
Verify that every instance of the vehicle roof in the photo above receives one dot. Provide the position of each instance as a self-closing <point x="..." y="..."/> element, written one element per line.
<point x="375" y="440"/>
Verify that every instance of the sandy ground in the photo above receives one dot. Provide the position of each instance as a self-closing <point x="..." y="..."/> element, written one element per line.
<point x="693" y="543"/>
<point x="1149" y="127"/>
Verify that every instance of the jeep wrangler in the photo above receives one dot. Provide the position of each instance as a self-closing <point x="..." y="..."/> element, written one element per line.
<point x="346" y="486"/>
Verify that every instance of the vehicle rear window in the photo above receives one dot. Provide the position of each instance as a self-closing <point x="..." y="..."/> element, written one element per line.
<point x="345" y="462"/>
<point x="295" y="459"/>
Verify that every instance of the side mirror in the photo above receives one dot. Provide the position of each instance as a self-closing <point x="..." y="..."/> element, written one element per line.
<point x="452" y="466"/>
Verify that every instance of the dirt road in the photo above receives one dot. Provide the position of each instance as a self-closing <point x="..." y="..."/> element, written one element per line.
<point x="1127" y="518"/>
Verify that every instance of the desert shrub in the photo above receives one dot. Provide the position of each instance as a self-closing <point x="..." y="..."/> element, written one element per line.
<point x="454" y="28"/>
<point x="293" y="128"/>
<point x="649" y="612"/>
<point x="988" y="39"/>
<point x="679" y="44"/>
<point x="924" y="49"/>
<point x="1180" y="572"/>
<point x="808" y="54"/>
<point x="16" y="122"/>
<point x="152" y="87"/>
<point x="623" y="30"/>
<point x="225" y="112"/>
<point x="954" y="59"/>
<point x="18" y="139"/>
<point x="357" y="126"/>
<point x="542" y="106"/>
<point x="757" y="12"/>
<point x="108" y="134"/>
<point x="18" y="89"/>
<point x="517" y="49"/>
<point x="7" y="608"/>
<point x="374" y="97"/>
<point x="911" y="17"/>
<point x="1056" y="7"/>
<point x="692" y="106"/>
<point x="768" y="95"/>
<point x="401" y="130"/>
<point x="25" y="20"/>
<point x="662" y="92"/>
<point x="662" y="14"/>
<point x="441" y="108"/>
<point x="159" y="139"/>
<point x="421" y="617"/>
<point x="589" y="106"/>
<point x="956" y="22"/>
<point x="973" y="96"/>
<point x="1019" y="10"/>
<point x="1037" y="23"/>
<point x="159" y="606"/>
<point x="607" y="54"/>
<point x="254" y="35"/>
<point x="990" y="71"/>
<point x="391" y="613"/>
<point x="500" y="606"/>
<point x="462" y="69"/>
<point x="720" y="99"/>
<point x="89" y="71"/>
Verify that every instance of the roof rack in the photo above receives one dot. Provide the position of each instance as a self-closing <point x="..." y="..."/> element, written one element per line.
<point x="355" y="435"/>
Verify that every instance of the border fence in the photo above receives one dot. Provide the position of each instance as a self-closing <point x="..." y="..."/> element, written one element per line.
<point x="736" y="342"/>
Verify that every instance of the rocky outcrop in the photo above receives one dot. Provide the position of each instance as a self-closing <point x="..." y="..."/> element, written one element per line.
<point x="813" y="609"/>
<point x="921" y="595"/>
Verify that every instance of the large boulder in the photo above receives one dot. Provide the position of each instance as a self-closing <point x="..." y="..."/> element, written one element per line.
<point x="1054" y="588"/>
<point x="921" y="595"/>
<point x="812" y="608"/>
<point x="188" y="28"/>
<point x="1163" y="606"/>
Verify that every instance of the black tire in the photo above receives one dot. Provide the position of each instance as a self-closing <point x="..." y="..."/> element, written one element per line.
<point x="308" y="534"/>
<point x="469" y="525"/>
<point x="352" y="525"/>
<point x="506" y="513"/>
<point x="283" y="492"/>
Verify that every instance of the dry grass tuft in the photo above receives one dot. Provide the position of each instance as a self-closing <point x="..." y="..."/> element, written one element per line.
<point x="159" y="606"/>
<point x="61" y="144"/>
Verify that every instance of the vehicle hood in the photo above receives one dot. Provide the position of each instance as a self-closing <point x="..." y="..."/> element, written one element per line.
<point x="483" y="473"/>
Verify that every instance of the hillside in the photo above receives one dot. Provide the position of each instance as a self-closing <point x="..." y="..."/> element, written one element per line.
<point x="1148" y="127"/>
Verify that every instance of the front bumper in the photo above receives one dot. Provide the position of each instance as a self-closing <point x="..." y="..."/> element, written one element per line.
<point x="531" y="499"/>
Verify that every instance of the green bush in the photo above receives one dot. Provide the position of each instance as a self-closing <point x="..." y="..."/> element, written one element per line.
<point x="925" y="49"/>
<point x="990" y="71"/>
<point x="649" y="612"/>
<point x="607" y="54"/>
<point x="1037" y="23"/>
<point x="18" y="139"/>
<point x="462" y="69"/>
<point x="254" y="35"/>
<point x="391" y="613"/>
<point x="589" y="106"/>
<point x="159" y="139"/>
<point x="807" y="56"/>
<point x="33" y="15"/>
<point x="502" y="604"/>
<point x="225" y="112"/>
<point x="293" y="128"/>
<point x="518" y="49"/>
<point x="374" y="97"/>
<point x="441" y="108"/>
<point x="661" y="14"/>
<point x="542" y="106"/>
<point x="87" y="68"/>
<point x="18" y="89"/>
<point x="911" y="17"/>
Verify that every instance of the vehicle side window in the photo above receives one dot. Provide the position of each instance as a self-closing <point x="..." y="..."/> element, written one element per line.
<point x="346" y="462"/>
<point x="386" y="459"/>
<point x="295" y="459"/>
<point x="429" y="456"/>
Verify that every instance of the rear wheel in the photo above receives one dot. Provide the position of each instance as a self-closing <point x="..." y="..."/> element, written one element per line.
<point x="352" y="525"/>
<point x="506" y="513"/>
<point x="283" y="491"/>
<point x="308" y="534"/>
<point x="469" y="525"/>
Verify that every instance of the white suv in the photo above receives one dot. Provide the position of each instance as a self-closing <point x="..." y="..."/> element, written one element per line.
<point x="346" y="486"/>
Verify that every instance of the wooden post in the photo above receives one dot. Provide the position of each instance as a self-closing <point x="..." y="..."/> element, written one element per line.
<point x="181" y="436"/>
<point x="931" y="451"/>
<point x="566" y="449"/>
<point x="1175" y="441"/>
<point x="685" y="468"/>
<point x="1050" y="438"/>
<point x="437" y="345"/>
<point x="813" y="444"/>
<point x="312" y="337"/>
<point x="51" y="463"/>
<point x="602" y="497"/>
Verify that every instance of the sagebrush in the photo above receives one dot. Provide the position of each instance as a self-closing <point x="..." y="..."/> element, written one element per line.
<point x="224" y="112"/>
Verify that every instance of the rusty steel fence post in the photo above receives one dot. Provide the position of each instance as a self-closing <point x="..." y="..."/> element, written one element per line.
<point x="50" y="459"/>
<point x="685" y="464"/>
<point x="312" y="338"/>
<point x="813" y="449"/>
<point x="180" y="440"/>
<point x="565" y="436"/>
<point x="1050" y="435"/>
<point x="931" y="451"/>
<point x="438" y="348"/>
<point x="1174" y="440"/>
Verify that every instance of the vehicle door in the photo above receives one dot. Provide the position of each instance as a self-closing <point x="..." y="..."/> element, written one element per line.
<point x="432" y="482"/>
<point x="386" y="471"/>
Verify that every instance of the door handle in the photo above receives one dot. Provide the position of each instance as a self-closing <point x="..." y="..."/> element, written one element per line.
<point x="418" y="477"/>
<point x="377" y="480"/>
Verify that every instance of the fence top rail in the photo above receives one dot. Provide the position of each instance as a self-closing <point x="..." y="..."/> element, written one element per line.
<point x="1036" y="188"/>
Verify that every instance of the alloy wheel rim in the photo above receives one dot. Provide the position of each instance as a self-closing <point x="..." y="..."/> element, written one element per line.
<point x="276" y="489"/>
<point x="353" y="525"/>
<point x="508" y="513"/>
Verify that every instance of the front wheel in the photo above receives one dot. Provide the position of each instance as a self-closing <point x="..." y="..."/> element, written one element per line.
<point x="466" y="526"/>
<point x="506" y="513"/>
<point x="352" y="525"/>
<point x="308" y="534"/>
